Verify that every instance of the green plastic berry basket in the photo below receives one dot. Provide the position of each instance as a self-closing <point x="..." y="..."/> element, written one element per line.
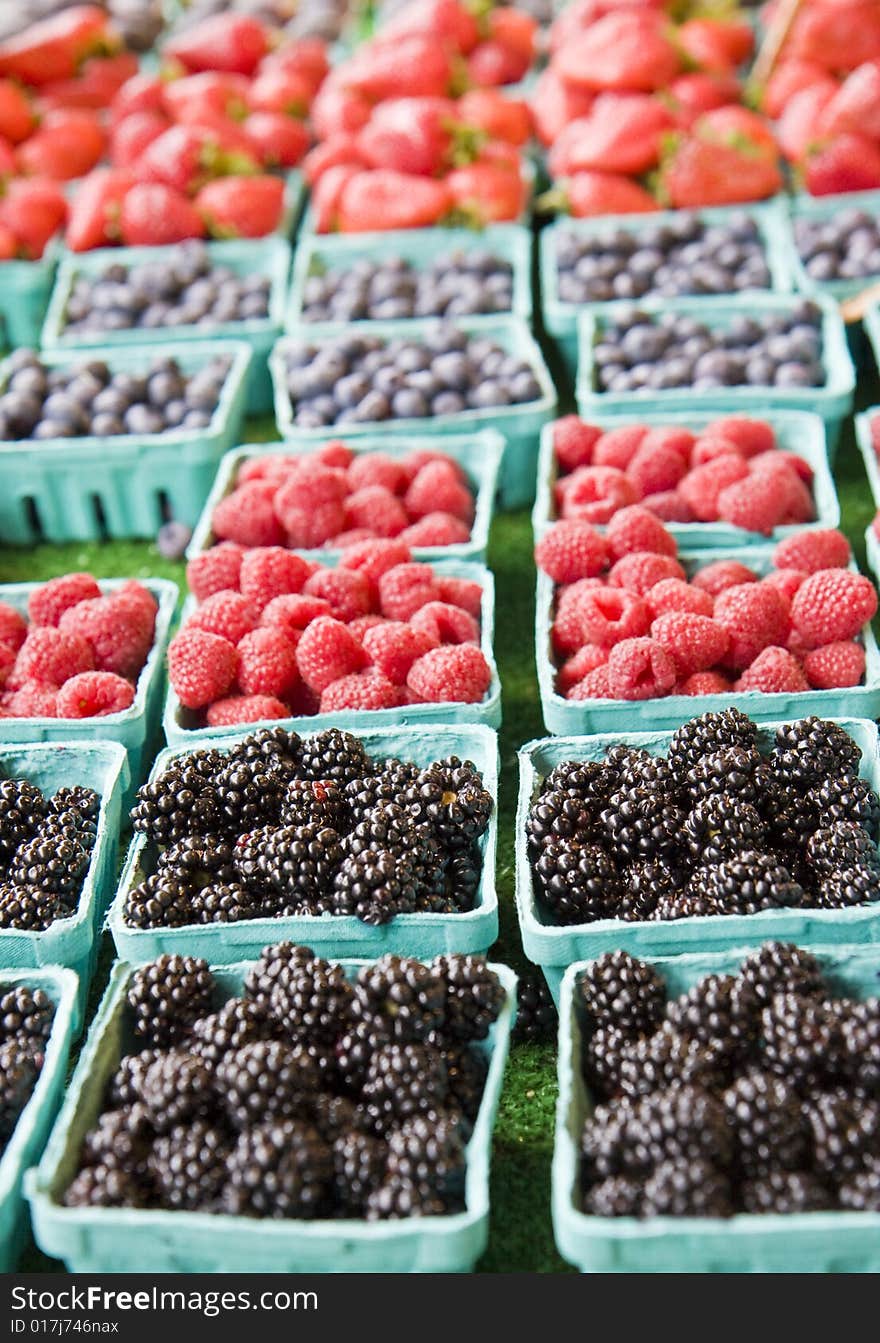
<point x="865" y="446"/>
<point x="566" y="717"/>
<point x="421" y="935"/>
<point x="35" y="1121"/>
<point x="265" y="256"/>
<point x="101" y="1240"/>
<point x="479" y="456"/>
<point x="519" y="425"/>
<point x="813" y="1242"/>
<point x="833" y="400"/>
<point x="133" y="728"/>
<point x="561" y="318"/>
<point x="127" y="485"/>
<point x="554" y="947"/>
<point x="796" y="431"/>
<point x="25" y="287"/>
<point x="325" y="253"/>
<point x="804" y="206"/>
<point x="72" y="942"/>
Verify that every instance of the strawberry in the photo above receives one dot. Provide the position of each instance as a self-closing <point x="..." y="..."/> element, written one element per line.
<point x="701" y="172"/>
<point x="622" y="134"/>
<point x="279" y="141"/>
<point x="412" y="67"/>
<point x="130" y="137"/>
<point x="68" y="144"/>
<point x="34" y="209"/>
<point x="242" y="207"/>
<point x="338" y="111"/>
<point x="307" y="57"/>
<point x="280" y="90"/>
<point x="17" y="117"/>
<point x="446" y="21"/>
<point x="789" y="77"/>
<point x="716" y="44"/>
<point x="691" y="95"/>
<point x="846" y="163"/>
<point x="232" y="42"/>
<point x="327" y="193"/>
<point x="410" y="135"/>
<point x="95" y="86"/>
<point x="93" y="220"/>
<point x="210" y="91"/>
<point x="836" y="36"/>
<point x="514" y="29"/>
<point x="739" y="127"/>
<point x="487" y="193"/>
<point x="590" y="193"/>
<point x="154" y="214"/>
<point x="627" y="51"/>
<point x="384" y="199"/>
<point x="798" y="126"/>
<point x="185" y="157"/>
<point x="7" y="159"/>
<point x="491" y="64"/>
<point x="339" y="149"/>
<point x="142" y="93"/>
<point x="856" y="105"/>
<point x="500" y="118"/>
<point x="554" y="104"/>
<point x="576" y="17"/>
<point x="8" y="243"/>
<point x="56" y="47"/>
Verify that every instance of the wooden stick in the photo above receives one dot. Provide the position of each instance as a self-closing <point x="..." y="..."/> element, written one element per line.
<point x="774" y="39"/>
<point x="853" y="309"/>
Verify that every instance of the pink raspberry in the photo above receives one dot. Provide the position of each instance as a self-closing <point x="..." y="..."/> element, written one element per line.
<point x="571" y="550"/>
<point x="118" y="630"/>
<point x="267" y="664"/>
<point x="749" y="436"/>
<point x="272" y="571"/>
<point x="756" y="504"/>
<point x="310" y="484"/>
<point x="608" y="615"/>
<point x="347" y="591"/>
<point x="436" y="529"/>
<point x="595" y="685"/>
<point x="245" y="709"/>
<point x="617" y="447"/>
<point x="568" y="630"/>
<point x="439" y="487"/>
<point x="668" y="506"/>
<point x="755" y="616"/>
<point x="202" y="666"/>
<point x="774" y="672"/>
<point x="695" y="643"/>
<point x="716" y="577"/>
<point x="413" y="462"/>
<point x="312" y="528"/>
<point x="446" y="624"/>
<point x="48" y="603"/>
<point x="353" y="536"/>
<point x="705" y="683"/>
<point x="785" y="581"/>
<point x="635" y="529"/>
<point x="594" y="493"/>
<point x="94" y="695"/>
<point x="374" y="558"/>
<point x="137" y="597"/>
<point x="327" y="651"/>
<point x="780" y="460"/>
<point x="376" y="510"/>
<point x="363" y="690"/>
<point x="13" y="627"/>
<point x="361" y="624"/>
<point x="800" y="508"/>
<point x="406" y="588"/>
<point x="228" y="614"/>
<point x="573" y="442"/>
<point x="655" y="467"/>
<point x="708" y="447"/>
<point x="463" y="592"/>
<point x="7" y="662"/>
<point x="675" y="594"/>
<point x="292" y="612"/>
<point x="585" y="660"/>
<point x="642" y="570"/>
<point x="34" y="699"/>
<point x="376" y="468"/>
<point x="218" y="569"/>
<point x="335" y="453"/>
<point x="455" y="672"/>
<point x="702" y="486"/>
<point x="809" y="551"/>
<point x="836" y="666"/>
<point x="51" y="656"/>
<point x="247" y="516"/>
<point x="640" y="669"/>
<point x="672" y="438"/>
<point x="831" y="606"/>
<point x="273" y="466"/>
<point x="394" y="646"/>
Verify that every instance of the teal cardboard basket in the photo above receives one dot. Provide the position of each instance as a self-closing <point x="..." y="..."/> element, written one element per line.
<point x="865" y="446"/>
<point x="25" y="287"/>
<point x="825" y="208"/>
<point x="554" y="948"/>
<point x="420" y="935"/>
<point x="833" y="400"/>
<point x="796" y="431"/>
<point x="72" y="942"/>
<point x="323" y="253"/>
<point x="127" y="485"/>
<point x="134" y="727"/>
<point x="561" y="318"/>
<point x="872" y="330"/>
<point x="99" y="1240"/>
<point x="262" y="256"/>
<point x="577" y="717"/>
<point x="479" y="456"/>
<point x="813" y="1242"/>
<point x="35" y="1121"/>
<point x="519" y="425"/>
<point x="182" y="726"/>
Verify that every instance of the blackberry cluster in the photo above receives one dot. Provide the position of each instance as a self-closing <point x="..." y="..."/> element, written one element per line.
<point x="45" y="849"/>
<point x="25" y="1022"/>
<point x="724" y="823"/>
<point x="753" y="1092"/>
<point x="282" y="825"/>
<point x="308" y="1096"/>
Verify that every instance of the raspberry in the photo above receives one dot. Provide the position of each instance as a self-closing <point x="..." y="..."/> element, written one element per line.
<point x="584" y="661"/>
<point x="835" y="666"/>
<point x="800" y="504"/>
<point x="245" y="709"/>
<point x="780" y="460"/>
<point x="608" y="615"/>
<point x="218" y="569"/>
<point x="361" y="624"/>
<point x="393" y="647"/>
<point x="463" y="592"/>
<point x="809" y="551"/>
<point x="274" y="466"/>
<point x="594" y="493"/>
<point x="635" y="528"/>
<point x="7" y="662"/>
<point x="676" y="594"/>
<point x="757" y="504"/>
<point x="617" y="447"/>
<point x="436" y="529"/>
<point x="571" y="550"/>
<point x="201" y="666"/>
<point x="455" y="672"/>
<point x="439" y="487"/>
<point x="47" y="605"/>
<point x="247" y="516"/>
<point x="375" y="468"/>
<point x="595" y="685"/>
<point x="347" y="591"/>
<point x="774" y="671"/>
<point x="310" y="484"/>
<point x="118" y="631"/>
<point x="785" y="581"/>
<point x="643" y="570"/>
<point x="568" y="630"/>
<point x="669" y="506"/>
<point x="271" y="571"/>
<point x="749" y="436"/>
<point x="671" y="437"/>
<point x="34" y="699"/>
<point x="406" y="588"/>
<point x="267" y="664"/>
<point x="640" y="669"/>
<point x="654" y="468"/>
<point x="228" y="614"/>
<point x="51" y="656"/>
<point x="363" y="690"/>
<point x="755" y="617"/>
<point x="705" y="683"/>
<point x="710" y="446"/>
<point x="831" y="606"/>
<point x="446" y="624"/>
<point x="374" y="558"/>
<point x="573" y="442"/>
<point x="327" y="651"/>
<point x="94" y="695"/>
<point x="335" y="453"/>
<point x="415" y="461"/>
<point x="353" y="537"/>
<point x="695" y="643"/>
<point x="138" y="597"/>
<point x="312" y="528"/>
<point x="715" y="578"/>
<point x="376" y="510"/>
<point x="292" y="612"/>
<point x="702" y="486"/>
<point x="13" y="627"/>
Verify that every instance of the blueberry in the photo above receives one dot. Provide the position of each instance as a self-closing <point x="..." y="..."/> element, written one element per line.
<point x="488" y="394"/>
<point x="350" y="390"/>
<point x="104" y="425"/>
<point x="524" y="387"/>
<point x="793" y="374"/>
<point x="448" y="403"/>
<point x="64" y="408"/>
<point x="197" y="419"/>
<point x="374" y="406"/>
<point x="141" y="419"/>
<point x="53" y="429"/>
<point x="29" y="381"/>
<point x="409" y="403"/>
<point x="164" y="386"/>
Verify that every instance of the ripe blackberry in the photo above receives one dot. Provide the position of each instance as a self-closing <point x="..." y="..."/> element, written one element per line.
<point x="22" y="807"/>
<point x="225" y="902"/>
<point x="428" y="1150"/>
<point x="315" y="802"/>
<point x="650" y="771"/>
<point x="685" y="904"/>
<point x="462" y="873"/>
<point x="861" y="1192"/>
<point x="403" y="1080"/>
<point x="392" y="826"/>
<point x="848" y="799"/>
<point x="29" y="909"/>
<point x="813" y="749"/>
<point x="390" y="783"/>
<point x="401" y="995"/>
<point x="592" y="781"/>
<point x="333" y="1116"/>
<point x="281" y="1168"/>
<point x="779" y="967"/>
<point x="720" y="828"/>
<point x="375" y="886"/>
<point x="311" y="1002"/>
<point x="840" y="846"/>
<point x="85" y="802"/>
<point x="706" y="735"/>
<point x="160" y="901"/>
<point x="18" y="1077"/>
<point x="643" y="884"/>
<point x="558" y="817"/>
<point x="273" y="963"/>
<point x="250" y="793"/>
<point x="237" y="1023"/>
<point x="182" y="801"/>
<point x="731" y="773"/>
<point x="333" y="755"/>
<point x="296" y="862"/>
<point x="402" y="1198"/>
<point x="791" y="819"/>
<point x="619" y="990"/>
<point x="640" y="822"/>
<point x="120" y="1136"/>
<point x="125" y="1086"/>
<point x="52" y="860"/>
<point x="537" y="1019"/>
<point x="359" y="1162"/>
<point x="800" y="1039"/>
<point x="474" y="996"/>
<point x="188" y="1166"/>
<point x="450" y="796"/>
<point x="576" y="884"/>
<point x="706" y="1012"/>
<point x="167" y="996"/>
<point x="267" y="1080"/>
<point x="617" y="1196"/>
<point x="860" y="1038"/>
<point x="275" y="748"/>
<point x="668" y="1057"/>
<point x="683" y="1122"/>
<point x="845" y="1131"/>
<point x="747" y="883"/>
<point x="466" y="1072"/>
<point x="176" y="1087"/>
<point x="26" y="1017"/>
<point x="685" y="1188"/>
<point x="198" y="861"/>
<point x="106" y="1185"/>
<point x="605" y="1140"/>
<point x="786" y="1192"/>
<point x="356" y="1048"/>
<point x="765" y="1116"/>
<point x="856" y="885"/>
<point x="603" y="1050"/>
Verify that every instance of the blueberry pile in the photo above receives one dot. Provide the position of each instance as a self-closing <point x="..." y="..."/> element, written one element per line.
<point x="845" y="246"/>
<point x="455" y="284"/>
<point x="25" y="1024"/>
<point x="638" y="352"/>
<point x="684" y="257"/>
<point x="351" y="379"/>
<point x="87" y="398"/>
<point x="186" y="289"/>
<point x="305" y="18"/>
<point x="309" y="1096"/>
<point x="755" y="1092"/>
<point x="45" y="849"/>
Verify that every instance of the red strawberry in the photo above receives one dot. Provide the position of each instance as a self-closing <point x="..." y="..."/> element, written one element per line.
<point x="703" y="172"/>
<point x="210" y="91"/>
<point x="339" y="149"/>
<point x="8" y="246"/>
<point x="487" y="193"/>
<point x="95" y="86"/>
<point x="446" y="21"/>
<point x="338" y="111"/>
<point x="7" y="159"/>
<point x="129" y="138"/>
<point x="56" y="47"/>
<point x="232" y="42"/>
<point x="94" y="213"/>
<point x="789" y="78"/>
<point x="492" y="64"/>
<point x="696" y="93"/>
<point x="622" y="134"/>
<point x="327" y="194"/>
<point x="410" y="135"/>
<point x="242" y="207"/>
<point x="739" y="127"/>
<point x="142" y="93"/>
<point x="35" y="210"/>
<point x="514" y="29"/>
<point x="68" y="144"/>
<point x="185" y="157"/>
<point x="280" y="90"/>
<point x="501" y="118"/>
<point x="590" y="193"/>
<point x="554" y="104"/>
<point x="836" y="36"/>
<point x="280" y="141"/>
<point x="384" y="199"/>
<point x="716" y="44"/>
<point x="627" y="50"/>
<point x="17" y="117"/>
<point x="154" y="214"/>
<point x="847" y="163"/>
<point x="856" y="105"/>
<point x="413" y="67"/>
<point x="307" y="57"/>
<point x="798" y="125"/>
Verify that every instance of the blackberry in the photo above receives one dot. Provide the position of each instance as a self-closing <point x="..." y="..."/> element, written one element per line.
<point x="861" y="1192"/>
<point x="125" y="1086"/>
<point x="188" y="1166"/>
<point x="335" y="756"/>
<point x="848" y="799"/>
<point x="656" y="1062"/>
<point x="474" y="996"/>
<point x="706" y="735"/>
<point x="22" y="808"/>
<point x="643" y="885"/>
<point x="462" y="874"/>
<point x="272" y="964"/>
<point x="315" y="802"/>
<point x="175" y="1087"/>
<point x="687" y="904"/>
<point x="604" y="1141"/>
<point x="617" y="1196"/>
<point x="167" y="996"/>
<point x="106" y="1185"/>
<point x="765" y="1116"/>
<point x="640" y="768"/>
<point x="785" y="1192"/>
<point x="537" y="1019"/>
<point x="640" y="822"/>
<point x="466" y="1072"/>
<point x="428" y="1150"/>
<point x="267" y="1080"/>
<point x="800" y="1039"/>
<point x="402" y="1081"/>
<point x="402" y="1198"/>
<point x="845" y="1131"/>
<point x="792" y="819"/>
<point x="746" y="884"/>
<point x="683" y="1122"/>
<point x="52" y="860"/>
<point x="356" y="1048"/>
<point x="29" y="909"/>
<point x="576" y="885"/>
<point x="686" y="1188"/>
<point x="403" y="996"/>
<point x="333" y="1116"/>
<point x="811" y="750"/>
<point x="856" y="885"/>
<point x="311" y="1001"/>
<point x="837" y="847"/>
<point x="721" y="828"/>
<point x="707" y="1013"/>
<point x="779" y="967"/>
<point x="375" y="886"/>
<point x="249" y="794"/>
<point x="359" y="1162"/>
<point x="589" y="780"/>
<point x="237" y="1023"/>
<point x="558" y="817"/>
<point x="450" y="796"/>
<point x="860" y="1038"/>
<point x="18" y="1077"/>
<point x="225" y="902"/>
<point x="198" y="861"/>
<point x="296" y="862"/>
<point x="619" y="990"/>
<point x="390" y="783"/>
<point x="121" y="1136"/>
<point x="182" y="801"/>
<point x="84" y="802"/>
<point x="603" y="1052"/>
<point x="282" y="1168"/>
<point x="26" y="1017"/>
<point x="273" y="748"/>
<point x="160" y="901"/>
<point x="731" y="773"/>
